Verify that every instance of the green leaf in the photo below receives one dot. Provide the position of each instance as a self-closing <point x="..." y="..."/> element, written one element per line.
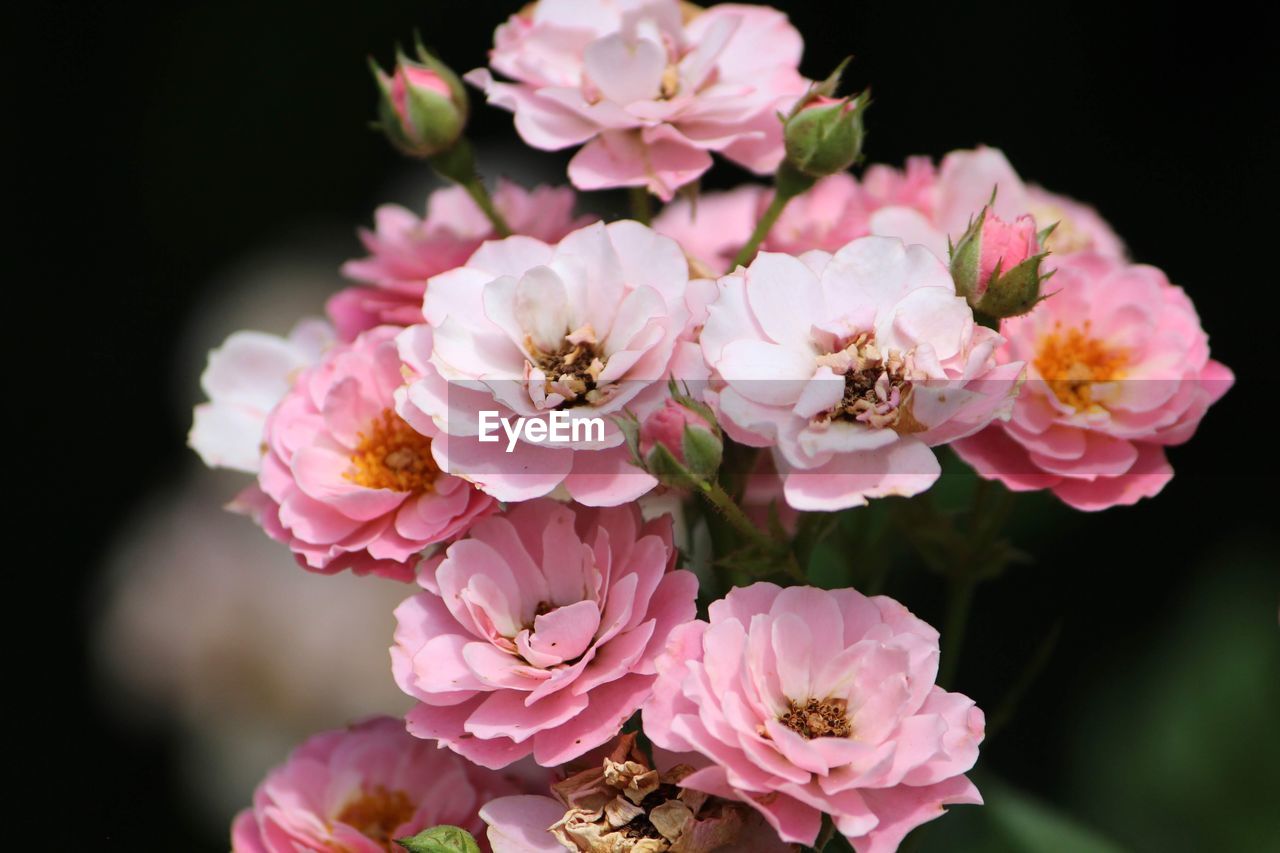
<point x="1011" y="821"/>
<point x="1031" y="825"/>
<point x="440" y="839"/>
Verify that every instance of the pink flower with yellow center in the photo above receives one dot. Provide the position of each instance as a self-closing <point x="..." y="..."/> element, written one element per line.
<point x="651" y="87"/>
<point x="356" y="790"/>
<point x="809" y="701"/>
<point x="1118" y="369"/>
<point x="345" y="481"/>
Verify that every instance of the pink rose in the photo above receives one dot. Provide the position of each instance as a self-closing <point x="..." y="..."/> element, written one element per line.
<point x="405" y="250"/>
<point x="964" y="183"/>
<point x="1118" y="369"/>
<point x="537" y="633"/>
<point x="356" y="790"/>
<point x="580" y="331"/>
<point x="651" y="88"/>
<point x="345" y="481"/>
<point x="851" y="367"/>
<point x="810" y="701"/>
<point x="836" y="210"/>
<point x="921" y="204"/>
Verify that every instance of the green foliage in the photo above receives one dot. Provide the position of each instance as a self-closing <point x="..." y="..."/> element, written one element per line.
<point x="440" y="839"/>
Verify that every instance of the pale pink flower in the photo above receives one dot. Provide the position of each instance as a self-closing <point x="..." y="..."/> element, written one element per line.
<point x="537" y="633"/>
<point x="964" y="183"/>
<point x="356" y="790"/>
<point x="245" y="378"/>
<point x="811" y="701"/>
<point x="624" y="803"/>
<point x="651" y="86"/>
<point x="836" y="210"/>
<point x="345" y="481"/>
<point x="1118" y="368"/>
<point x="405" y="250"/>
<point x="583" y="330"/>
<point x="852" y="366"/>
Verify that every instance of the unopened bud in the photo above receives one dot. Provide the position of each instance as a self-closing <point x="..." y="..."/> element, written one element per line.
<point x="679" y="434"/>
<point x="996" y="265"/>
<point x="824" y="135"/>
<point x="423" y="108"/>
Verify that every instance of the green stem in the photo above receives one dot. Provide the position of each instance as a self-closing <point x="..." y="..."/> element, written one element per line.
<point x="641" y="206"/>
<point x="959" y="602"/>
<point x="788" y="183"/>
<point x="825" y="834"/>
<point x="458" y="164"/>
<point x="771" y="214"/>
<point x="1005" y="710"/>
<point x="476" y="189"/>
<point x="715" y="495"/>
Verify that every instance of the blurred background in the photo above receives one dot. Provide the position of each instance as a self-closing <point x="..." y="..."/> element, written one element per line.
<point x="197" y="168"/>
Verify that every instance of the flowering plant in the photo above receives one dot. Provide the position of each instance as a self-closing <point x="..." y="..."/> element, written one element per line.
<point x="605" y="457"/>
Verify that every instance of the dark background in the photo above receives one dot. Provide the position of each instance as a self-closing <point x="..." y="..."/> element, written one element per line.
<point x="168" y="141"/>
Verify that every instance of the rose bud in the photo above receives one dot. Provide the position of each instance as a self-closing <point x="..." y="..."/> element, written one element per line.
<point x="688" y="436"/>
<point x="423" y="108"/>
<point x="679" y="443"/>
<point x="996" y="264"/>
<point x="824" y="135"/>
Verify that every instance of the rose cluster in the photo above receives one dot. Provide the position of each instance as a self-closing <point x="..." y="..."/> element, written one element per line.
<point x="834" y="331"/>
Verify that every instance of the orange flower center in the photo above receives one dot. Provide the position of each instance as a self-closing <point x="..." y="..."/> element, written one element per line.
<point x="377" y="813"/>
<point x="1071" y="361"/>
<point x="392" y="455"/>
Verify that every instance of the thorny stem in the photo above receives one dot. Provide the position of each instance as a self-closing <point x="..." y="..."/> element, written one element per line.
<point x="715" y="495"/>
<point x="641" y="206"/>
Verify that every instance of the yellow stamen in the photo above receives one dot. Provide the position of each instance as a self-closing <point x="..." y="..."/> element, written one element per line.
<point x="377" y="813"/>
<point x="1071" y="360"/>
<point x="392" y="455"/>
